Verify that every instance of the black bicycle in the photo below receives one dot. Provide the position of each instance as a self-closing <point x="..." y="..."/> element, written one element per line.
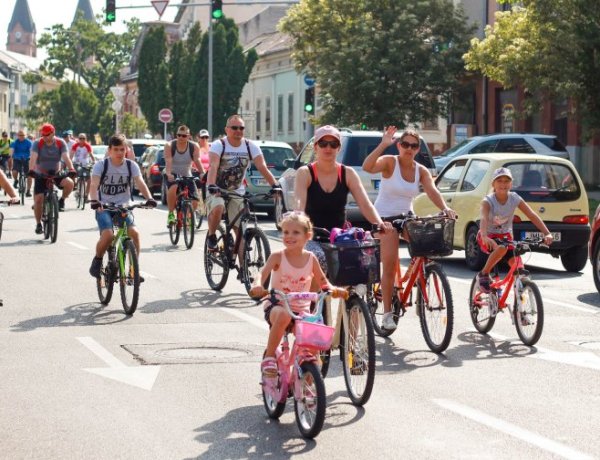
<point x="218" y="262"/>
<point x="83" y="175"/>
<point x="184" y="212"/>
<point x="50" y="208"/>
<point x="22" y="183"/>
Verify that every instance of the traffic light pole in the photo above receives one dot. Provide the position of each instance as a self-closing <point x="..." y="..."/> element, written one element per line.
<point x="210" y="73"/>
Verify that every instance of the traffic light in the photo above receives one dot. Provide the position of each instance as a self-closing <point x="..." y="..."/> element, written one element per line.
<point x="363" y="126"/>
<point x="216" y="8"/>
<point x="309" y="100"/>
<point x="111" y="7"/>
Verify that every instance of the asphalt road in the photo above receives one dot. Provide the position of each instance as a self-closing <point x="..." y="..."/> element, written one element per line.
<point x="180" y="378"/>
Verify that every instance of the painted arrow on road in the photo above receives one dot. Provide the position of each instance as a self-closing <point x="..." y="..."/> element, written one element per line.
<point x="137" y="376"/>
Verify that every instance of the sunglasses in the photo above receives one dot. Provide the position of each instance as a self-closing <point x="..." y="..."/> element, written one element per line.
<point x="406" y="145"/>
<point x="21" y="135"/>
<point x="333" y="144"/>
<point x="235" y="128"/>
<point x="82" y="139"/>
<point x="203" y="137"/>
<point x="182" y="135"/>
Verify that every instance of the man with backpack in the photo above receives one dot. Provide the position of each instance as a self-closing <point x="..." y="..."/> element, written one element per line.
<point x="111" y="184"/>
<point x="45" y="160"/>
<point x="179" y="156"/>
<point x="229" y="160"/>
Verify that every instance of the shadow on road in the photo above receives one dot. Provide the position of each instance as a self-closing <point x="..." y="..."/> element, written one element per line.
<point x="200" y="298"/>
<point x="592" y="299"/>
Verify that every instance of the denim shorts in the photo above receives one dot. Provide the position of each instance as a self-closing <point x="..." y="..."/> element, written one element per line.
<point x="105" y="220"/>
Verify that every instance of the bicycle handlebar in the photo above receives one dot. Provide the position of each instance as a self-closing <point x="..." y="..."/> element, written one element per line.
<point x="247" y="195"/>
<point x="122" y="208"/>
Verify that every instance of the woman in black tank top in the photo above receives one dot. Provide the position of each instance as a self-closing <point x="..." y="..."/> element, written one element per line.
<point x="327" y="209"/>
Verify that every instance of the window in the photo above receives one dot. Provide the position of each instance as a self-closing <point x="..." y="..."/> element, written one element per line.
<point x="484" y="147"/>
<point x="290" y="119"/>
<point x="544" y="182"/>
<point x="431" y="124"/>
<point x="475" y="173"/>
<point x="514" y="145"/>
<point x="258" y="117"/>
<point x="448" y="182"/>
<point x="268" y="115"/>
<point x="552" y="143"/>
<point x="280" y="114"/>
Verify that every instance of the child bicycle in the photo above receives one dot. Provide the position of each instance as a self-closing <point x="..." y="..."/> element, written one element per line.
<point x="526" y="310"/>
<point x="428" y="237"/>
<point x="297" y="366"/>
<point x="184" y="211"/>
<point x="120" y="263"/>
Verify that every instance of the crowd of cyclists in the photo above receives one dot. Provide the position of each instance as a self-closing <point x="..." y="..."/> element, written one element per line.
<point x="321" y="193"/>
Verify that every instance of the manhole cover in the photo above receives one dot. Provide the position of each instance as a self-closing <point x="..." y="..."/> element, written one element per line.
<point x="194" y="353"/>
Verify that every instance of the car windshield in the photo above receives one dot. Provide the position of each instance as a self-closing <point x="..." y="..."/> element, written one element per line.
<point x="359" y="147"/>
<point x="160" y="158"/>
<point x="274" y="156"/>
<point x="138" y="149"/>
<point x="544" y="182"/>
<point x="451" y="151"/>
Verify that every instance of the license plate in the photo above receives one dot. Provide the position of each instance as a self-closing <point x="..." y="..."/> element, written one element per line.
<point x="376" y="184"/>
<point x="260" y="181"/>
<point x="539" y="235"/>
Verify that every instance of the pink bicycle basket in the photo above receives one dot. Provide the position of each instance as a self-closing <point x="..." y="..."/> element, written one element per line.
<point x="313" y="335"/>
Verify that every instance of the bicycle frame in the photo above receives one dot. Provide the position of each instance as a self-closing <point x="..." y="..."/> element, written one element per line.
<point x="117" y="243"/>
<point x="243" y="217"/>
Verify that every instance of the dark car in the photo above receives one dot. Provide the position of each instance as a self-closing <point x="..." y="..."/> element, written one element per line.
<point x="356" y="145"/>
<point x="152" y="165"/>
<point x="594" y="248"/>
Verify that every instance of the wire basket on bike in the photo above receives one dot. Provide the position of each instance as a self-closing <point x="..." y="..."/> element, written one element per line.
<point x="350" y="263"/>
<point x="430" y="236"/>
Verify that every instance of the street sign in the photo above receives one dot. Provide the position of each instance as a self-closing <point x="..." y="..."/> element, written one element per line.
<point x="165" y="115"/>
<point x="309" y="81"/>
<point x="116" y="106"/>
<point x="117" y="91"/>
<point x="160" y="6"/>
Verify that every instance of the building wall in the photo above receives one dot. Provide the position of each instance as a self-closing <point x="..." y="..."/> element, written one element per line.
<point x="21" y="41"/>
<point x="4" y="98"/>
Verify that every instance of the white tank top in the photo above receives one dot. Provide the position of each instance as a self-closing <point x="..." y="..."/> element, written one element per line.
<point x="396" y="194"/>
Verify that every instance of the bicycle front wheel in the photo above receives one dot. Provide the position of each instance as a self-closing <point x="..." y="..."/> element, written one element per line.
<point x="310" y="404"/>
<point x="1" y="222"/>
<point x="436" y="311"/>
<point x="22" y="187"/>
<point x="106" y="282"/>
<point x="357" y="351"/>
<point x="175" y="228"/>
<point x="188" y="225"/>
<point x="375" y="304"/>
<point x="481" y="308"/>
<point x="325" y="355"/>
<point x="256" y="253"/>
<point x="129" y="277"/>
<point x="50" y="218"/>
<point x="216" y="262"/>
<point x="81" y="193"/>
<point x="529" y="312"/>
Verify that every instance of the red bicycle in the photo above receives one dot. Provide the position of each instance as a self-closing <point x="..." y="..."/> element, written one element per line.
<point x="185" y="214"/>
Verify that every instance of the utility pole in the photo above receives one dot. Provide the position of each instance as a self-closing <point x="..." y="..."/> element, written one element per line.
<point x="210" y="72"/>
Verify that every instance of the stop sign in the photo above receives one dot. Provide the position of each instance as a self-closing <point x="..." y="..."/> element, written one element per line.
<point x="165" y="115"/>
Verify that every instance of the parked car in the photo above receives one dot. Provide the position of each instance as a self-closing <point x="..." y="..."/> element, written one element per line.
<point x="594" y="248"/>
<point x="504" y="143"/>
<point x="99" y="151"/>
<point x="140" y="146"/>
<point x="275" y="153"/>
<point x="152" y="166"/>
<point x="356" y="145"/>
<point x="550" y="185"/>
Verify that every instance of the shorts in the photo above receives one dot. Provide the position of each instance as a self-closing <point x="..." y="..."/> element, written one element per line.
<point x="4" y="161"/>
<point x="40" y="184"/>
<point x="105" y="220"/>
<point x="485" y="250"/>
<point x="190" y="184"/>
<point x="314" y="247"/>
<point x="234" y="205"/>
<point x="19" y="163"/>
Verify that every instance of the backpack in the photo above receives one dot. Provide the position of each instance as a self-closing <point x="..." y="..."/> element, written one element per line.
<point x="58" y="140"/>
<point x="105" y="170"/>
<point x="174" y="149"/>
<point x="247" y="148"/>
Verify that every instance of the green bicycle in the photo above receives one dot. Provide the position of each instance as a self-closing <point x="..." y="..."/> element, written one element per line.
<point x="120" y="263"/>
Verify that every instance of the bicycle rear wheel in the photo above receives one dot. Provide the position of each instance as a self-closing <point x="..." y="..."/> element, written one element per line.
<point x="175" y="228"/>
<point x="357" y="351"/>
<point x="216" y="262"/>
<point x="309" y="405"/>
<point x="1" y="222"/>
<point x="106" y="282"/>
<point x="529" y="313"/>
<point x="22" y="187"/>
<point x="481" y="308"/>
<point x="199" y="214"/>
<point x="256" y="252"/>
<point x="188" y="224"/>
<point x="375" y="305"/>
<point x="436" y="310"/>
<point x="129" y="277"/>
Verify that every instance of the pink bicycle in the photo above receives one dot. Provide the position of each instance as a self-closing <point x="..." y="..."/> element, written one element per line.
<point x="298" y="365"/>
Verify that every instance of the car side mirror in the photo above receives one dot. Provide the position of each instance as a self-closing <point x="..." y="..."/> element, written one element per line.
<point x="289" y="163"/>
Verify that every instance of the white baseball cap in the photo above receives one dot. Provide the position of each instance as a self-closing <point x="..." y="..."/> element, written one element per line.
<point x="501" y="172"/>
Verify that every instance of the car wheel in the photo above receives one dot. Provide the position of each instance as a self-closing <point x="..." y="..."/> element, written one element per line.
<point x="574" y="259"/>
<point x="278" y="210"/>
<point x="596" y="266"/>
<point x="474" y="256"/>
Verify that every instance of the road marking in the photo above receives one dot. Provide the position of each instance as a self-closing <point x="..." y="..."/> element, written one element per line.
<point x="546" y="300"/>
<point x="78" y="246"/>
<point x="147" y="275"/>
<point x="137" y="376"/>
<point x="246" y="317"/>
<point x="511" y="429"/>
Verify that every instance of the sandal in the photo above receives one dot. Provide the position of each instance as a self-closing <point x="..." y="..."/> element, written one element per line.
<point x="268" y="368"/>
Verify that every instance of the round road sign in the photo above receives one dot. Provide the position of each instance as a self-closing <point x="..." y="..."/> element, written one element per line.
<point x="165" y="115"/>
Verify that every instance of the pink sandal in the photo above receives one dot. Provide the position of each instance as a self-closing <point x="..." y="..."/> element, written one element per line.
<point x="268" y="368"/>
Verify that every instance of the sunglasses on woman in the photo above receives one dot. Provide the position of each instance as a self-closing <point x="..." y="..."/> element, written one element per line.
<point x="406" y="145"/>
<point x="333" y="144"/>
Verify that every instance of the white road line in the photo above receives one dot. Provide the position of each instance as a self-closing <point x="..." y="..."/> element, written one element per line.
<point x="100" y="352"/>
<point x="147" y="275"/>
<point x="546" y="300"/>
<point x="511" y="429"/>
<point x="78" y="246"/>
<point x="246" y="317"/>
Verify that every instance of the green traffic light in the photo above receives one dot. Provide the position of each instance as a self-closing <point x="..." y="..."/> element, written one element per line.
<point x="308" y="108"/>
<point x="217" y="14"/>
<point x="110" y="17"/>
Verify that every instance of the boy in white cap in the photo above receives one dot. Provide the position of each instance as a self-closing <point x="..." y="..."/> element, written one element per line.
<point x="497" y="212"/>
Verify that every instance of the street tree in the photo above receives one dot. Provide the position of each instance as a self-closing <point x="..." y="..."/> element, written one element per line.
<point x="377" y="63"/>
<point x="133" y="126"/>
<point x="550" y="50"/>
<point x="153" y="77"/>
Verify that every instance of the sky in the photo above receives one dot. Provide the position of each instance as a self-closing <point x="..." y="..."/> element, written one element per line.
<point x="46" y="13"/>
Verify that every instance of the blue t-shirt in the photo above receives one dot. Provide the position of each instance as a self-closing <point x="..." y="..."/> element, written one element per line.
<point x="21" y="149"/>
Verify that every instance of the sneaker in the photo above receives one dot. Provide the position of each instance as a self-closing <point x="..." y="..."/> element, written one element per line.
<point x="484" y="283"/>
<point x="388" y="321"/>
<point x="96" y="267"/>
<point x="171" y="219"/>
<point x="39" y="229"/>
<point x="211" y="242"/>
<point x="61" y="204"/>
<point x="28" y="194"/>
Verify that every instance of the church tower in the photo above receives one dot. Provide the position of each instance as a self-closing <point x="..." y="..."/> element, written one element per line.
<point x="84" y="7"/>
<point x="21" y="31"/>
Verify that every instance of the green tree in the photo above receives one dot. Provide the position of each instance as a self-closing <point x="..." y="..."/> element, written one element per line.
<point x="153" y="77"/>
<point x="551" y="50"/>
<point x="379" y="62"/>
<point x="132" y="126"/>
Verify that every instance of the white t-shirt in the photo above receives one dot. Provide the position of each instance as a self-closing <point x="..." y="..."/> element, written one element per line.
<point x="234" y="163"/>
<point x="115" y="189"/>
<point x="81" y="153"/>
